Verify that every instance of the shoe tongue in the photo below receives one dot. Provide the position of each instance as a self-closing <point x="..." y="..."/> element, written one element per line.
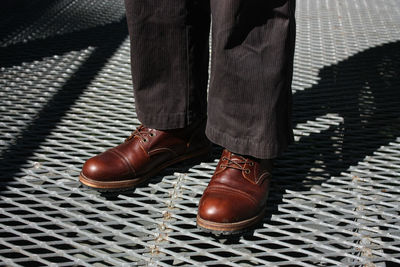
<point x="236" y="157"/>
<point x="144" y="129"/>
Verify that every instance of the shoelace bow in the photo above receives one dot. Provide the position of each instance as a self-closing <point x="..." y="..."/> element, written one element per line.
<point x="140" y="132"/>
<point x="239" y="165"/>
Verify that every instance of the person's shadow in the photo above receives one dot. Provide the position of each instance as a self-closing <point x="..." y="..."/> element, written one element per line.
<point x="106" y="39"/>
<point x="364" y="90"/>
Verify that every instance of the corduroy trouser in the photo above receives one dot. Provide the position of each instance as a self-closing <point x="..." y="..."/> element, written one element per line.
<point x="249" y="101"/>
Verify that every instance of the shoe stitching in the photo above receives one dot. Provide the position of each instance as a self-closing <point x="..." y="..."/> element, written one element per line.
<point x="261" y="178"/>
<point x="125" y="160"/>
<point x="232" y="190"/>
<point x="162" y="149"/>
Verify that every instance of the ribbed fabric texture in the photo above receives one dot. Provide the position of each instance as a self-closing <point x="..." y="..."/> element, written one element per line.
<point x="249" y="101"/>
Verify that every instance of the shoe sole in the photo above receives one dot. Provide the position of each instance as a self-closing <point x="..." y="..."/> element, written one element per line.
<point x="115" y="186"/>
<point x="230" y="228"/>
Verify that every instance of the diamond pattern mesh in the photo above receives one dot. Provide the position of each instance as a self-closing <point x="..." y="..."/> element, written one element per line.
<point x="66" y="95"/>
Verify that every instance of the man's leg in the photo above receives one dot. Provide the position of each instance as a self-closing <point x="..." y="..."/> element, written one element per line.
<point x="250" y="89"/>
<point x="169" y="58"/>
<point x="249" y="107"/>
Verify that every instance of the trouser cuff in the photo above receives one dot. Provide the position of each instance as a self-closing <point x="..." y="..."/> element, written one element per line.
<point x="246" y="146"/>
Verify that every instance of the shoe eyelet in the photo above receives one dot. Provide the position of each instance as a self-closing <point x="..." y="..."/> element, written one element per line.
<point x="251" y="163"/>
<point x="247" y="171"/>
<point x="145" y="140"/>
<point x="152" y="134"/>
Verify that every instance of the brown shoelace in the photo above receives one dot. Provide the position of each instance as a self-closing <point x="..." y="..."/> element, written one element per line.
<point x="239" y="165"/>
<point x="140" y="132"/>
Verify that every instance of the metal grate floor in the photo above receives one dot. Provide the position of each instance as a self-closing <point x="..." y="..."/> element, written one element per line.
<point x="66" y="95"/>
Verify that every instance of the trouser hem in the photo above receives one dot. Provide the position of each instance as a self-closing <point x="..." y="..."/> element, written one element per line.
<point x="246" y="146"/>
<point x="168" y="121"/>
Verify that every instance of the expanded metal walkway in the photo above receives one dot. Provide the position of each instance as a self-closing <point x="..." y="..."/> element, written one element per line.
<point x="66" y="95"/>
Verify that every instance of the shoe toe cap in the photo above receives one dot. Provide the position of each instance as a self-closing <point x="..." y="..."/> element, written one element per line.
<point x="95" y="169"/>
<point x="225" y="208"/>
<point x="103" y="168"/>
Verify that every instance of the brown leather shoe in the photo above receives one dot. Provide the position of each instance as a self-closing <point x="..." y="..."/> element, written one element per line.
<point x="236" y="196"/>
<point x="145" y="153"/>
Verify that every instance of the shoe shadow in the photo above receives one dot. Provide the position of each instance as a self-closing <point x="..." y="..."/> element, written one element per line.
<point x="364" y="90"/>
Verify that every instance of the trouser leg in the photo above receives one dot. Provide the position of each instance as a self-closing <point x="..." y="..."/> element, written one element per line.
<point x="249" y="104"/>
<point x="169" y="60"/>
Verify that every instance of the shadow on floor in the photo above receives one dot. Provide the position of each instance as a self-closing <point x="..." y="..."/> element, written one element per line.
<point x="105" y="38"/>
<point x="362" y="89"/>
